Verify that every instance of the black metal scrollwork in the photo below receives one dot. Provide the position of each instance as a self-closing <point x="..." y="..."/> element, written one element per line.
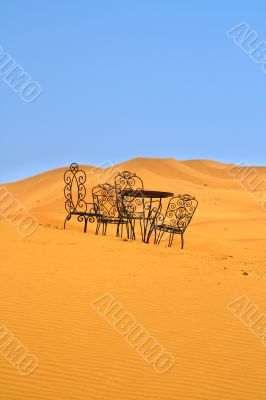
<point x="176" y="219"/>
<point x="75" y="191"/>
<point x="105" y="197"/>
<point x="133" y="206"/>
<point x="180" y="210"/>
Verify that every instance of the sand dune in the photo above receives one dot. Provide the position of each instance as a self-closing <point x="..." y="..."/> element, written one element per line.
<point x="44" y="192"/>
<point x="49" y="279"/>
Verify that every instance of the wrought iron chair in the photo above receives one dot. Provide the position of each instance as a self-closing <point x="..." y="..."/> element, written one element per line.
<point x="75" y="193"/>
<point x="176" y="219"/>
<point x="132" y="206"/>
<point x="105" y="199"/>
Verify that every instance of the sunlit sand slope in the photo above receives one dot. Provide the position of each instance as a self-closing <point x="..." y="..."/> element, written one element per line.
<point x="48" y="281"/>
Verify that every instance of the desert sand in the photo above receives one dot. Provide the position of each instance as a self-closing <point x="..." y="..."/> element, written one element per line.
<point x="49" y="279"/>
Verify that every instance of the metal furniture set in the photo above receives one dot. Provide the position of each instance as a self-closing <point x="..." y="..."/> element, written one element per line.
<point x="125" y="204"/>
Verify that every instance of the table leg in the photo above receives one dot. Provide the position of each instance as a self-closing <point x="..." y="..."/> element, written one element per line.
<point x="150" y="221"/>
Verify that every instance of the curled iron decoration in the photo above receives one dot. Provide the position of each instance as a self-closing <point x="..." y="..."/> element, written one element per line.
<point x="75" y="191"/>
<point x="104" y="196"/>
<point x="127" y="180"/>
<point x="132" y="206"/>
<point x="179" y="212"/>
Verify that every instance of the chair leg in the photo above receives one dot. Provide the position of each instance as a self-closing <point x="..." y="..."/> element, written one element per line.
<point x="132" y="229"/>
<point x="155" y="236"/>
<point x="85" y="224"/>
<point x="104" y="228"/>
<point x="150" y="233"/>
<point x="171" y="237"/>
<point x="68" y="217"/>
<point x="128" y="231"/>
<point x="117" y="229"/>
<point x="161" y="233"/>
<point x="141" y="229"/>
<point x="97" y="228"/>
<point x="182" y="241"/>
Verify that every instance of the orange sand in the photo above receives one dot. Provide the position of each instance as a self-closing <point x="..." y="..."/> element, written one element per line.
<point x="49" y="280"/>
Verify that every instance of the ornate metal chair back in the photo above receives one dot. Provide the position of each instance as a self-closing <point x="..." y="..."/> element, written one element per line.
<point x="75" y="191"/>
<point x="180" y="211"/>
<point x="127" y="180"/>
<point x="105" y="198"/>
<point x="130" y="205"/>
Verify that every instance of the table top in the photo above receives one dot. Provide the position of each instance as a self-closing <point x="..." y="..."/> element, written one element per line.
<point x="147" y="193"/>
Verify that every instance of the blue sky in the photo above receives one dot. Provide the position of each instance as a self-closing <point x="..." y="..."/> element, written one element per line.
<point x="123" y="79"/>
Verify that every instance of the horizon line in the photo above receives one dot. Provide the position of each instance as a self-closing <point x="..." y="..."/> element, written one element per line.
<point x="41" y="172"/>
